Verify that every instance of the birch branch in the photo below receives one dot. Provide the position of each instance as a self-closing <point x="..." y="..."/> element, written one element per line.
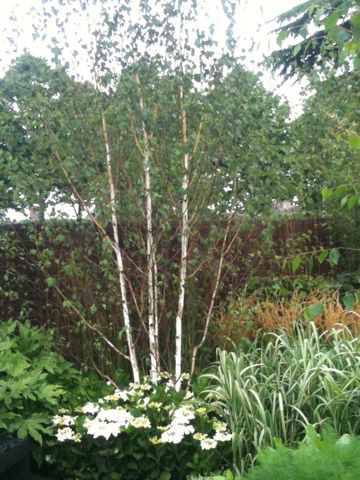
<point x="92" y="327"/>
<point x="184" y="246"/>
<point x="151" y="260"/>
<point x="119" y="259"/>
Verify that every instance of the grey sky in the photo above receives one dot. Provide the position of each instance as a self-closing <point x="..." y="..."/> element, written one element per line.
<point x="252" y="27"/>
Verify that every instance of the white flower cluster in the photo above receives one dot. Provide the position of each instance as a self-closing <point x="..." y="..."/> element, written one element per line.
<point x="91" y="408"/>
<point x="118" y="395"/>
<point x="64" y="423"/>
<point x="179" y="426"/>
<point x="67" y="433"/>
<point x="221" y="435"/>
<point x="108" y="422"/>
<point x="63" y="420"/>
<point x="141" y="422"/>
<point x="110" y="415"/>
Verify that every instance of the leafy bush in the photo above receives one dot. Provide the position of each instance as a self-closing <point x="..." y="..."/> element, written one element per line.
<point x="142" y="432"/>
<point x="227" y="476"/>
<point x="34" y="380"/>
<point x="275" y="387"/>
<point x="316" y="459"/>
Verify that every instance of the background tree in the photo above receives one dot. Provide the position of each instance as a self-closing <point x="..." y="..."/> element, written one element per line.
<point x="30" y="90"/>
<point x="334" y="44"/>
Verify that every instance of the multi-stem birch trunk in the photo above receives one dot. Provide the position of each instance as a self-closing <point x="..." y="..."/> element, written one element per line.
<point x="184" y="245"/>
<point x="151" y="260"/>
<point x="118" y="256"/>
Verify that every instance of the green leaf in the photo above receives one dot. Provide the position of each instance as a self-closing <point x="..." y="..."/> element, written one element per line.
<point x="348" y="301"/>
<point x="344" y="201"/>
<point x="33" y="426"/>
<point x="296" y="50"/>
<point x="51" y="282"/>
<point x="341" y="191"/>
<point x="354" y="142"/>
<point x="355" y="19"/>
<point x="326" y="193"/>
<point x="50" y="393"/>
<point x="313" y="311"/>
<point x="295" y="264"/>
<point x="331" y="21"/>
<point x="334" y="256"/>
<point x="67" y="303"/>
<point x="281" y="37"/>
<point x="353" y="200"/>
<point x="351" y="47"/>
<point x="165" y="476"/>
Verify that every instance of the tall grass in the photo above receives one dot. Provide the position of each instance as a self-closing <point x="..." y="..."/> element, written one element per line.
<point x="276" y="386"/>
<point x="248" y="314"/>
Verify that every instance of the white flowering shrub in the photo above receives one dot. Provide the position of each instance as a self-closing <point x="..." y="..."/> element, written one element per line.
<point x="141" y="432"/>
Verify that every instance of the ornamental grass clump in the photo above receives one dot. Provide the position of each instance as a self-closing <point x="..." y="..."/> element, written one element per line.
<point x="144" y="431"/>
<point x="276" y="386"/>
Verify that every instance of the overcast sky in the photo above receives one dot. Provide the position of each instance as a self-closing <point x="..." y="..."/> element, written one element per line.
<point x="252" y="27"/>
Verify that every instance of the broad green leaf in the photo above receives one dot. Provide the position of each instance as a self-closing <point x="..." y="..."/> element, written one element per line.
<point x="326" y="193"/>
<point x="313" y="311"/>
<point x="51" y="282"/>
<point x="331" y="21"/>
<point x="281" y="38"/>
<point x="296" y="49"/>
<point x="340" y="191"/>
<point x="334" y="256"/>
<point x="295" y="264"/>
<point x="344" y="201"/>
<point x="348" y="301"/>
<point x="165" y="476"/>
<point x="322" y="256"/>
<point x="355" y="19"/>
<point x="354" y="142"/>
<point x="353" y="200"/>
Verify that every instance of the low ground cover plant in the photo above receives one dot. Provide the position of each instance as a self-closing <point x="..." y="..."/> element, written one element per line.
<point x="275" y="387"/>
<point x="144" y="431"/>
<point x="34" y="381"/>
<point x="318" y="458"/>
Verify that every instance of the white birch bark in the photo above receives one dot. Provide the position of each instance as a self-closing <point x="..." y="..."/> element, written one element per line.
<point x="184" y="248"/>
<point x="151" y="260"/>
<point x="119" y="259"/>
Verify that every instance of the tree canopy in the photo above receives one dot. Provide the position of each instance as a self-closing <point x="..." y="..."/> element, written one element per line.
<point x="326" y="35"/>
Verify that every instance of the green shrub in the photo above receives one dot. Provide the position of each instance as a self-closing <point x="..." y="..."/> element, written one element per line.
<point x="227" y="476"/>
<point x="34" y="381"/>
<point x="274" y="388"/>
<point x="144" y="432"/>
<point x="316" y="459"/>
